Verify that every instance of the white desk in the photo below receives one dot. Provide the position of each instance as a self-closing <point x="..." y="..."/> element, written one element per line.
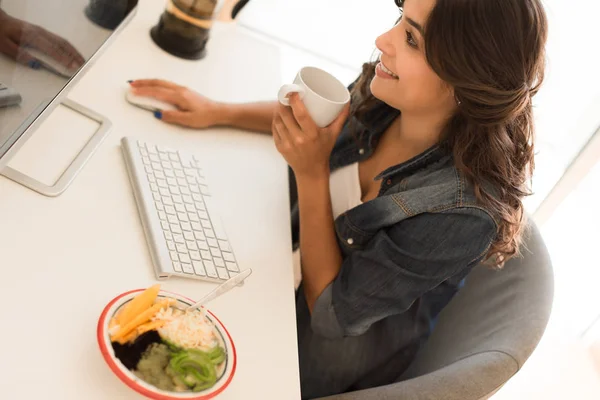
<point x="63" y="259"/>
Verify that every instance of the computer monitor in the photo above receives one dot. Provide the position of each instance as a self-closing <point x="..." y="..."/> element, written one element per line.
<point x="46" y="46"/>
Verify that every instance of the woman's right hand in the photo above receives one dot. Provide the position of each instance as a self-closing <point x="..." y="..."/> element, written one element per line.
<point x="193" y="109"/>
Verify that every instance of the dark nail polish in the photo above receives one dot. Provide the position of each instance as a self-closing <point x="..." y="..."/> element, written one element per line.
<point x="158" y="114"/>
<point x="130" y="81"/>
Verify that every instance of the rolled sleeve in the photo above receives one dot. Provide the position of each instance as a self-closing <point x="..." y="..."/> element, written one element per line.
<point x="398" y="266"/>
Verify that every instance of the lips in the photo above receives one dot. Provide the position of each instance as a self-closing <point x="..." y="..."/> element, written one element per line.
<point x="387" y="70"/>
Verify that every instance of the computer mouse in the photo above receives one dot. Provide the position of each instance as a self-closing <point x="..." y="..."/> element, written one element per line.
<point x="147" y="103"/>
<point x="51" y="64"/>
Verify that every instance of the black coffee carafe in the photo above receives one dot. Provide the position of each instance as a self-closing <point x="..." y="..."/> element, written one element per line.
<point x="109" y="13"/>
<point x="183" y="28"/>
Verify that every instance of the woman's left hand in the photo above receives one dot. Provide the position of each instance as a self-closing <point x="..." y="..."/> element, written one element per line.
<point x="304" y="145"/>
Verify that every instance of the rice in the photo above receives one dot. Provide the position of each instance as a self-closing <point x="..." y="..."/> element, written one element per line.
<point x="188" y="330"/>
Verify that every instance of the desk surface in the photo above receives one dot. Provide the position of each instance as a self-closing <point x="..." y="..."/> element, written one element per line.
<point x="64" y="258"/>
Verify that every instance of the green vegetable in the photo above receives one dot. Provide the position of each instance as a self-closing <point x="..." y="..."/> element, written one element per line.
<point x="196" y="368"/>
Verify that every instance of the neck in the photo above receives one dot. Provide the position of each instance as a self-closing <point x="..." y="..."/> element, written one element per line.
<point x="418" y="132"/>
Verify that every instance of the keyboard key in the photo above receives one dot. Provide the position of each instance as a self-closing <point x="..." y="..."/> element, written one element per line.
<point x="168" y="235"/>
<point x="198" y="234"/>
<point x="174" y="190"/>
<point x="194" y="255"/>
<point x="185" y="190"/>
<point x="179" y="174"/>
<point x="153" y="187"/>
<point x="209" y="233"/>
<point x="166" y="164"/>
<point x="161" y="183"/>
<point x="191" y="180"/>
<point x="154" y="158"/>
<point x="191" y="245"/>
<point x="206" y="255"/>
<point x="175" y="228"/>
<point x="143" y="152"/>
<point x="200" y="206"/>
<point x="187" y="200"/>
<point x="189" y="172"/>
<point x="151" y="178"/>
<point x="170" y="245"/>
<point x="197" y="197"/>
<point x="177" y="198"/>
<point x="194" y="189"/>
<point x="212" y="242"/>
<point x="216" y="252"/>
<point x="174" y="255"/>
<point x="170" y="210"/>
<point x="210" y="269"/>
<point x="219" y="262"/>
<point x="174" y="157"/>
<point x="232" y="267"/>
<point x="159" y="206"/>
<point x="193" y="218"/>
<point x="186" y="226"/>
<point x="164" y="157"/>
<point x="164" y="192"/>
<point x="167" y="201"/>
<point x="177" y="266"/>
<point x="156" y="166"/>
<point x="148" y="169"/>
<point x="228" y="257"/>
<point x="206" y="224"/>
<point x="222" y="272"/>
<point x="165" y="225"/>
<point x="169" y="173"/>
<point x="179" y="207"/>
<point x="178" y="238"/>
<point x="159" y="175"/>
<point x="172" y="181"/>
<point x="202" y="245"/>
<point x="188" y="235"/>
<point x="156" y="196"/>
<point x="173" y="219"/>
<point x="190" y="208"/>
<point x="204" y="190"/>
<point x="151" y="149"/>
<point x="182" y="182"/>
<point x="199" y="268"/>
<point x="183" y="217"/>
<point x="224" y="245"/>
<point x="184" y="258"/>
<point x="203" y="214"/>
<point x="181" y="248"/>
<point x="162" y="215"/>
<point x="187" y="268"/>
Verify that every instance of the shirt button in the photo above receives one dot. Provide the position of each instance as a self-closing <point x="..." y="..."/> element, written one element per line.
<point x="350" y="241"/>
<point x="361" y="151"/>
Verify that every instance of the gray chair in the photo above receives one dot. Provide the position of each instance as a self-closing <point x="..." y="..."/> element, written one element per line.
<point x="484" y="336"/>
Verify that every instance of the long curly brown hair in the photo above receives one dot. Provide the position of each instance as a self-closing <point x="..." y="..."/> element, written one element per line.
<point x="492" y="53"/>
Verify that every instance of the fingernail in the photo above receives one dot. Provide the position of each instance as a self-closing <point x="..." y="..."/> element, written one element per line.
<point x="130" y="81"/>
<point x="158" y="114"/>
<point x="34" y="64"/>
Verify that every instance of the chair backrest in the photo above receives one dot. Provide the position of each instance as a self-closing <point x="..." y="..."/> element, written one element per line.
<point x="484" y="336"/>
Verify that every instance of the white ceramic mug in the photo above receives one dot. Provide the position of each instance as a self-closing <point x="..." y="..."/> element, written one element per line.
<point x="323" y="95"/>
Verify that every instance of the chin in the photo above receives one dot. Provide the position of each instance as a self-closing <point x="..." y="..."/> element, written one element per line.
<point x="382" y="92"/>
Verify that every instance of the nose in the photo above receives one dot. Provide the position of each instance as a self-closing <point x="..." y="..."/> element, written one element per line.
<point x="384" y="44"/>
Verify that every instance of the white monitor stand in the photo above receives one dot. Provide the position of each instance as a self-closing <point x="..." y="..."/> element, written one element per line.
<point x="69" y="174"/>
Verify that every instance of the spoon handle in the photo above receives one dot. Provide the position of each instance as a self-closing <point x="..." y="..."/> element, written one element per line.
<point x="223" y="288"/>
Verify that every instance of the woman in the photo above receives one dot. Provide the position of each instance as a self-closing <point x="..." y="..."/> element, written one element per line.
<point x="400" y="200"/>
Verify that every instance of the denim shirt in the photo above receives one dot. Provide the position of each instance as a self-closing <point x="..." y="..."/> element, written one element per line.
<point x="405" y="254"/>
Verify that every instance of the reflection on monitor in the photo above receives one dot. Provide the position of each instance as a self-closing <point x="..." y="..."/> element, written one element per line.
<point x="46" y="45"/>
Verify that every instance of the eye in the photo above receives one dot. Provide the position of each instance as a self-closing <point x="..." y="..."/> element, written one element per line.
<point x="411" y="40"/>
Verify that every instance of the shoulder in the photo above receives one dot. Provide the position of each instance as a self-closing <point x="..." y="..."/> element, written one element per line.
<point x="437" y="188"/>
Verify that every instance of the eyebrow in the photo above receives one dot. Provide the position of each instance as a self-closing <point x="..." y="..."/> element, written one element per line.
<point x="416" y="25"/>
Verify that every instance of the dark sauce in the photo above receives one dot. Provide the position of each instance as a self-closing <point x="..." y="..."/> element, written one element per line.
<point x="131" y="353"/>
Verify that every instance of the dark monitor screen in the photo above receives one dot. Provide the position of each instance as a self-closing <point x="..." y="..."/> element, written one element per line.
<point x="44" y="44"/>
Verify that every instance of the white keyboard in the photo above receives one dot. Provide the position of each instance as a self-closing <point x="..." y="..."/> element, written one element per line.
<point x="184" y="232"/>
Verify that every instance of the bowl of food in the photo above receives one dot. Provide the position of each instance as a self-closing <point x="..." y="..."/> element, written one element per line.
<point x="163" y="351"/>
